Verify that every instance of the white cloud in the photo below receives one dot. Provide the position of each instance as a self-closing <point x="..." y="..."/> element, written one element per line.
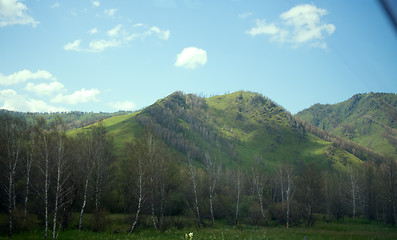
<point x="162" y="34"/>
<point x="93" y="31"/>
<point x="301" y="24"/>
<point x="191" y="58"/>
<point x="96" y="3"/>
<point x="110" y="12"/>
<point x="15" y="102"/>
<point x="114" y="31"/>
<point x="47" y="89"/>
<point x="263" y="28"/>
<point x="305" y="20"/>
<point x="93" y="46"/>
<point x="244" y="15"/>
<point x="125" y="105"/>
<point x="81" y="96"/>
<point x="14" y="12"/>
<point x="117" y="37"/>
<point x="23" y="76"/>
<point x="101" y="45"/>
<point x="73" y="46"/>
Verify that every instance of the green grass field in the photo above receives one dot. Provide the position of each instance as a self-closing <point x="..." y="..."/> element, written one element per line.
<point x="348" y="229"/>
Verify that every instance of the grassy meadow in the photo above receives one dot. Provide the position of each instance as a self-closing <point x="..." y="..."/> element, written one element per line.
<point x="117" y="228"/>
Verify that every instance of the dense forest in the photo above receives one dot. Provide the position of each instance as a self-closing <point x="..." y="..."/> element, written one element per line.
<point x="166" y="178"/>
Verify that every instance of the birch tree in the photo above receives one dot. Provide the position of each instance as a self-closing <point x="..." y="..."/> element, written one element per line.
<point x="136" y="177"/>
<point x="13" y="138"/>
<point x="30" y="148"/>
<point x="61" y="172"/>
<point x="101" y="156"/>
<point x="259" y="186"/>
<point x="286" y="177"/>
<point x="194" y="185"/>
<point x="213" y="175"/>
<point x="85" y="148"/>
<point x="153" y="162"/>
<point x="44" y="166"/>
<point x="238" y="193"/>
<point x="353" y="182"/>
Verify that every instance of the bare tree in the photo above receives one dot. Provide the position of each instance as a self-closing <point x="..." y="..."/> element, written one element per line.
<point x="308" y="191"/>
<point x="61" y="172"/>
<point x="140" y="185"/>
<point x="101" y="156"/>
<point x="353" y="189"/>
<point x="259" y="186"/>
<point x="238" y="190"/>
<point x="85" y="147"/>
<point x="213" y="175"/>
<point x="13" y="130"/>
<point x="389" y="173"/>
<point x="193" y="176"/>
<point x="30" y="148"/>
<point x="46" y="171"/>
<point x="135" y="164"/>
<point x="153" y="162"/>
<point x="43" y="149"/>
<point x="287" y="176"/>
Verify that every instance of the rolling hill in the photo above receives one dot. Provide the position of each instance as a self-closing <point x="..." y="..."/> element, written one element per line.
<point x="367" y="119"/>
<point x="241" y="128"/>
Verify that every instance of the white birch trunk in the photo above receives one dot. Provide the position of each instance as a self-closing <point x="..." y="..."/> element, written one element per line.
<point x="13" y="149"/>
<point x="152" y="208"/>
<point x="238" y="196"/>
<point x="46" y="185"/>
<point x="140" y="197"/>
<point x="289" y="191"/>
<point x="29" y="162"/>
<point x="212" y="178"/>
<point x="194" y="190"/>
<point x="84" y="203"/>
<point x="260" y="192"/>
<point x="353" y="182"/>
<point x="58" y="186"/>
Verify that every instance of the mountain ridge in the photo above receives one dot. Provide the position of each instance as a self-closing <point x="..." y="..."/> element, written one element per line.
<point x="240" y="128"/>
<point x="368" y="119"/>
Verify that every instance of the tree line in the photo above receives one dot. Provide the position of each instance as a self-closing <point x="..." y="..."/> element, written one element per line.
<point x="49" y="179"/>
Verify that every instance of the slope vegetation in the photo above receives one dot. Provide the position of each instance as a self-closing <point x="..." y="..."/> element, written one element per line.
<point x="367" y="119"/>
<point x="241" y="128"/>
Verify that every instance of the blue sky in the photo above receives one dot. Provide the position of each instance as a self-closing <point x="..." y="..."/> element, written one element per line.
<point x="124" y="55"/>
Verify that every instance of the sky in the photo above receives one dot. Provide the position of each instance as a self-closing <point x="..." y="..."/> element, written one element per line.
<point x="93" y="56"/>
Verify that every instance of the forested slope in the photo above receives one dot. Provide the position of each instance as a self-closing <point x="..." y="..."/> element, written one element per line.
<point x="187" y="161"/>
<point x="241" y="128"/>
<point x="367" y="119"/>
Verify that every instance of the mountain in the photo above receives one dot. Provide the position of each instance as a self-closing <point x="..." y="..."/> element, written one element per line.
<point x="241" y="128"/>
<point x="367" y="119"/>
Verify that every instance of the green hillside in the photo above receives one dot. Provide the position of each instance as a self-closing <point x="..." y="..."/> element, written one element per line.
<point x="367" y="119"/>
<point x="73" y="119"/>
<point x="241" y="128"/>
